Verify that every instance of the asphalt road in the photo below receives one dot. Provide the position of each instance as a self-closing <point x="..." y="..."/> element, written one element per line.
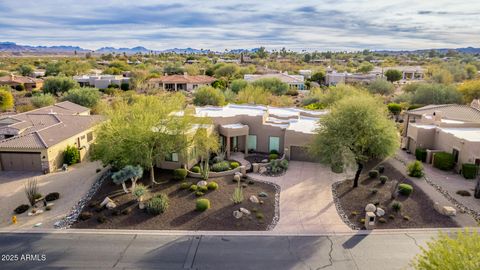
<point x="142" y="251"/>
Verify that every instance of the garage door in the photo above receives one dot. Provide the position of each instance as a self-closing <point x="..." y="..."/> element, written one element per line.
<point x="300" y="153"/>
<point x="21" y="161"/>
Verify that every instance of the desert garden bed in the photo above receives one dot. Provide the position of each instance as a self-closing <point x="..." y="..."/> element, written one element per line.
<point x="271" y="164"/>
<point x="181" y="213"/>
<point x="416" y="210"/>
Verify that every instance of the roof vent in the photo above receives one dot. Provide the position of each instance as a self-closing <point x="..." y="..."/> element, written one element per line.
<point x="52" y="112"/>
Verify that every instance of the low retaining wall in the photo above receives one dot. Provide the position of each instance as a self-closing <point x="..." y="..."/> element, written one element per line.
<point x="215" y="174"/>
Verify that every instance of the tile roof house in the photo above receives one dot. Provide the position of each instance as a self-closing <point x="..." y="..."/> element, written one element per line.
<point x="181" y="82"/>
<point x="293" y="81"/>
<point x="36" y="140"/>
<point x="15" y="81"/>
<point x="448" y="128"/>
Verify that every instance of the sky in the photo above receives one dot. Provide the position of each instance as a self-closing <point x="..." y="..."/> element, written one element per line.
<point x="297" y="25"/>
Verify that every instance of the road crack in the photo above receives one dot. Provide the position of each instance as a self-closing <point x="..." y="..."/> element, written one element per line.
<point x="124" y="251"/>
<point x="414" y="240"/>
<point x="330" y="258"/>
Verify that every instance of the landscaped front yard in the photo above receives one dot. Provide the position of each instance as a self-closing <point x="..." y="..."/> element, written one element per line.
<point x="181" y="213"/>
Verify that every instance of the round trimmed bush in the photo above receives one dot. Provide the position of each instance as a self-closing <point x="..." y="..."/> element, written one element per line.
<point x="203" y="188"/>
<point x="415" y="169"/>
<point x="373" y="174"/>
<point x="202" y="205"/>
<point x="443" y="161"/>
<point x="383" y="179"/>
<point x="193" y="188"/>
<point x="381" y="169"/>
<point x="195" y="169"/>
<point x="234" y="164"/>
<point x="185" y="185"/>
<point x="158" y="204"/>
<point x="21" y="209"/>
<point x="272" y="156"/>
<point x="180" y="174"/>
<point x="469" y="170"/>
<point x="212" y="185"/>
<point x="405" y="189"/>
<point x="52" y="196"/>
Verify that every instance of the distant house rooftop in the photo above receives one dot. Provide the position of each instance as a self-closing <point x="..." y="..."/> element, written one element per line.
<point x="184" y="79"/>
<point x="450" y="111"/>
<point x="284" y="77"/>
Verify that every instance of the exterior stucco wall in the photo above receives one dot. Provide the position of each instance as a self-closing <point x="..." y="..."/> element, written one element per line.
<point x="293" y="138"/>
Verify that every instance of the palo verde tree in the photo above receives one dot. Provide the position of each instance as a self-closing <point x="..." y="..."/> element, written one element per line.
<point x="129" y="172"/>
<point x="356" y="130"/>
<point x="205" y="144"/>
<point x="142" y="130"/>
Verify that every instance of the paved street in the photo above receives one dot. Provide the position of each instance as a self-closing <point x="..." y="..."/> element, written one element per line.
<point x="149" y="250"/>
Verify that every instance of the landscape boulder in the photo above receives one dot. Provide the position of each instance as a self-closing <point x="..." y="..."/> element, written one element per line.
<point x="262" y="170"/>
<point x="380" y="212"/>
<point x="370" y="208"/>
<point x="245" y="211"/>
<point x="449" y="211"/>
<point x="254" y="199"/>
<point x="236" y="178"/>
<point x="106" y="201"/>
<point x="237" y="214"/>
<point x="202" y="183"/>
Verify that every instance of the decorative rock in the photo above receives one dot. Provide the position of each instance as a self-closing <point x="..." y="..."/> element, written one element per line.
<point x="380" y="212"/>
<point x="50" y="204"/>
<point x="255" y="167"/>
<point x="236" y="178"/>
<point x="254" y="199"/>
<point x="245" y="211"/>
<point x="110" y="205"/>
<point x="264" y="160"/>
<point x="243" y="170"/>
<point x="370" y="208"/>
<point x="237" y="214"/>
<point x="449" y="211"/>
<point x="202" y="183"/>
<point x="262" y="194"/>
<point x="261" y="202"/>
<point x="106" y="201"/>
<point x="262" y="170"/>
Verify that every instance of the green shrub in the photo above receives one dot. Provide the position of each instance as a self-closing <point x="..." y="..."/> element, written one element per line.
<point x="179" y="174"/>
<point x="373" y="174"/>
<point x="85" y="96"/>
<point x="381" y="169"/>
<point x="383" y="179"/>
<point x="234" y="164"/>
<point x="193" y="188"/>
<point x="203" y="189"/>
<point x="202" y="205"/>
<point x="415" y="169"/>
<point x="272" y="156"/>
<point x="37" y="196"/>
<point x="185" y="185"/>
<point x="212" y="185"/>
<point x="421" y="154"/>
<point x="405" y="189"/>
<point x="396" y="206"/>
<point x="125" y="86"/>
<point x="195" y="169"/>
<point x="443" y="161"/>
<point x="71" y="155"/>
<point x="21" y="209"/>
<point x="274" y="152"/>
<point x="199" y="193"/>
<point x="284" y="164"/>
<point x="52" y="196"/>
<point x="220" y="166"/>
<point x="157" y="204"/>
<point x="464" y="193"/>
<point x="469" y="170"/>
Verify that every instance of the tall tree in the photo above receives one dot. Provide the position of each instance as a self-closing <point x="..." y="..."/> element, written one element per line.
<point x="356" y="130"/>
<point x="6" y="99"/>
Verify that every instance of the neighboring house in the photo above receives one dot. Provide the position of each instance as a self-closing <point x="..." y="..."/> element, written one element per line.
<point x="101" y="81"/>
<point x="307" y="73"/>
<point x="293" y="81"/>
<point x="409" y="73"/>
<point x="449" y="128"/>
<point x="14" y="81"/>
<point x="36" y="140"/>
<point x="183" y="82"/>
<point x="334" y="78"/>
<point x="247" y="128"/>
<point x="38" y="73"/>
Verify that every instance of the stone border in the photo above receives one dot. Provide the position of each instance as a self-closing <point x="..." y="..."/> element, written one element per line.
<point x="276" y="216"/>
<point x="338" y="206"/>
<point x="214" y="174"/>
<point x="72" y="217"/>
<point x="462" y="208"/>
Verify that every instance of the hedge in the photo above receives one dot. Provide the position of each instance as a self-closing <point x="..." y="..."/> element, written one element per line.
<point x="469" y="170"/>
<point x="443" y="161"/>
<point x="421" y="154"/>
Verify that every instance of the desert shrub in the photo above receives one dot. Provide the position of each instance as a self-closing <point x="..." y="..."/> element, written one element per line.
<point x="212" y="185"/>
<point x="48" y="208"/>
<point x="234" y="164"/>
<point x="185" y="185"/>
<point x="195" y="169"/>
<point x="85" y="96"/>
<point x="396" y="206"/>
<point x="421" y="154"/>
<point x="71" y="155"/>
<point x="382" y="220"/>
<point x="464" y="193"/>
<point x="220" y="166"/>
<point x="260" y="215"/>
<point x="43" y="100"/>
<point x="37" y="196"/>
<point x="207" y="95"/>
<point x="373" y="174"/>
<point x="383" y="179"/>
<point x="179" y="174"/>
<point x="469" y="170"/>
<point x="203" y="189"/>
<point x="284" y="164"/>
<point x="374" y="191"/>
<point x="139" y="191"/>
<point x="7" y="100"/>
<point x="199" y="193"/>
<point x="193" y="188"/>
<point x="101" y="219"/>
<point x="202" y="205"/>
<point x="405" y="189"/>
<point x="272" y="156"/>
<point x="381" y="169"/>
<point x="274" y="152"/>
<point x="58" y="85"/>
<point x="31" y="191"/>
<point x="52" y="196"/>
<point x="21" y="209"/>
<point x="126" y="211"/>
<point x="443" y="161"/>
<point x="415" y="169"/>
<point x="85" y="215"/>
<point x="450" y="251"/>
<point x="158" y="204"/>
<point x="125" y="86"/>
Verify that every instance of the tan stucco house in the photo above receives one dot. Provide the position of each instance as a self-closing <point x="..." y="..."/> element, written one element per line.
<point x="247" y="128"/>
<point x="14" y="81"/>
<point x="183" y="82"/>
<point x="36" y="140"/>
<point x="445" y="128"/>
<point x="293" y="81"/>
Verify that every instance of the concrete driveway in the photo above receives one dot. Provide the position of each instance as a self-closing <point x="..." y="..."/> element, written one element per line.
<point x="306" y="202"/>
<point x="71" y="185"/>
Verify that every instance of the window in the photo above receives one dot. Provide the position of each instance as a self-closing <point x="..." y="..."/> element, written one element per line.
<point x="455" y="153"/>
<point x="89" y="136"/>
<point x="274" y="144"/>
<point x="173" y="157"/>
<point x="252" y="142"/>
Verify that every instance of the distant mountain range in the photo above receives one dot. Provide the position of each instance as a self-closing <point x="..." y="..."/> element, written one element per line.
<point x="12" y="47"/>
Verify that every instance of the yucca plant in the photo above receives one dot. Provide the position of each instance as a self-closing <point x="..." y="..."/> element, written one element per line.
<point x="31" y="190"/>
<point x="237" y="196"/>
<point x="205" y="170"/>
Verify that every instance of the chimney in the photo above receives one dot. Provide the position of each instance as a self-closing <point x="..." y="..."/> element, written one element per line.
<point x="475" y="104"/>
<point x="437" y="116"/>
